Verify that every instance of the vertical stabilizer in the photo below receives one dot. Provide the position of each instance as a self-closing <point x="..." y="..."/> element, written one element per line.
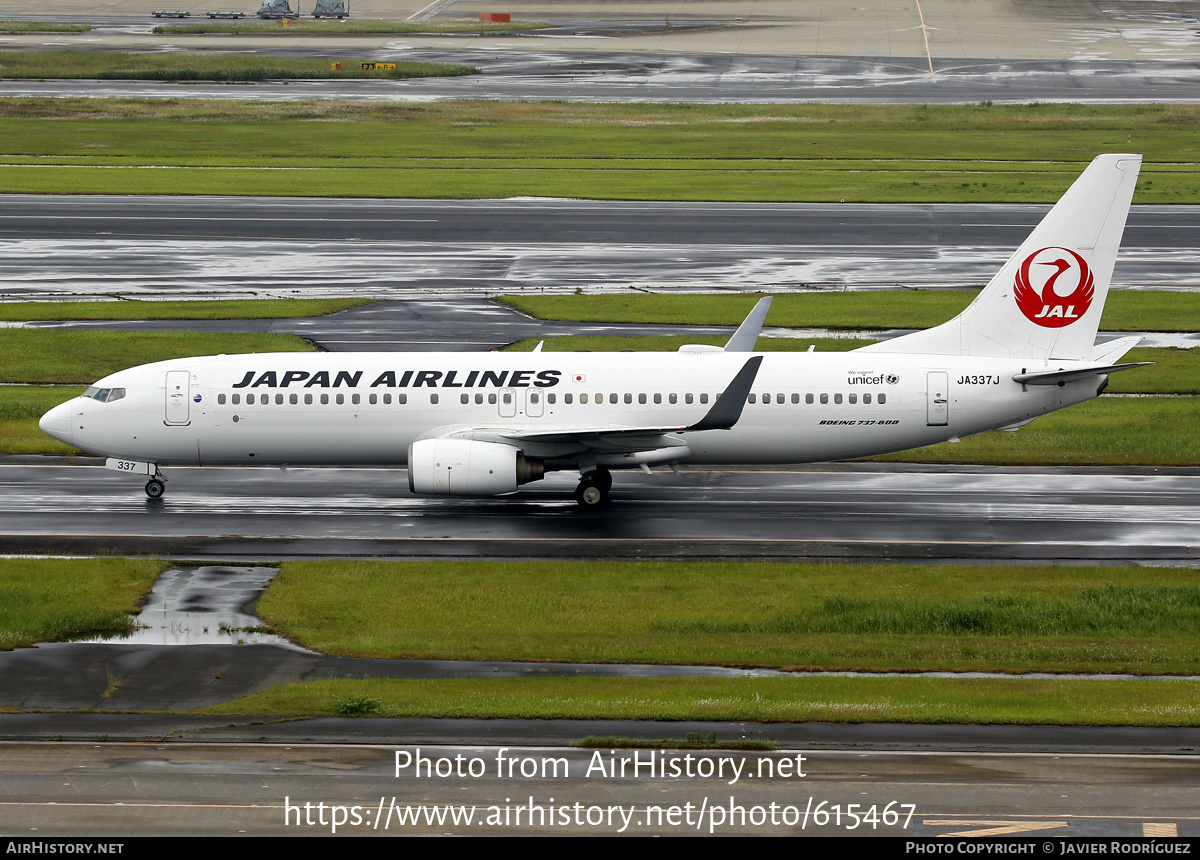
<point x="1046" y="301"/>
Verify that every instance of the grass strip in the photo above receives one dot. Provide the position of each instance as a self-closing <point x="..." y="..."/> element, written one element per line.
<point x="20" y="408"/>
<point x="1175" y="371"/>
<point x="15" y="27"/>
<point x="43" y="600"/>
<point x="951" y="153"/>
<point x="1124" y="310"/>
<point x="976" y="701"/>
<point x="783" y="615"/>
<point x="109" y="65"/>
<point x="133" y="309"/>
<point x="693" y="741"/>
<point x="347" y="27"/>
<point x="40" y="355"/>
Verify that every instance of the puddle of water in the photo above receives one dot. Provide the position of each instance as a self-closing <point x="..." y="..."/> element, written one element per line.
<point x="202" y="606"/>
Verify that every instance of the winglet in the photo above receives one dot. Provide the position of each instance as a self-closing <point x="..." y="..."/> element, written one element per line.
<point x="746" y="336"/>
<point x="728" y="408"/>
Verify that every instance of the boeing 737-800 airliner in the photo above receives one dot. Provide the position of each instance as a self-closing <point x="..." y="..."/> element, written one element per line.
<point x="482" y="424"/>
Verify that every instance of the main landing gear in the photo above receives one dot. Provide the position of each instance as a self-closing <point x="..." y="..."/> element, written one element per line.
<point x="156" y="486"/>
<point x="593" y="488"/>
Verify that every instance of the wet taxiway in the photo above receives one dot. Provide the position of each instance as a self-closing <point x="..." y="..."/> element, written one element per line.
<point x="853" y="511"/>
<point x="59" y="247"/>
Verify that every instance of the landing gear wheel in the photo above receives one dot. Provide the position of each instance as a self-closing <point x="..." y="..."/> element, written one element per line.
<point x="155" y="488"/>
<point x="603" y="479"/>
<point x="592" y="491"/>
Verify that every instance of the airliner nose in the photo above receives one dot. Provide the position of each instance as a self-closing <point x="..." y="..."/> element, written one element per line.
<point x="57" y="422"/>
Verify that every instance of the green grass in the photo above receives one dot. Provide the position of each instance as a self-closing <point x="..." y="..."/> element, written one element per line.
<point x="20" y="408"/>
<point x="345" y="27"/>
<point x="132" y="309"/>
<point x="43" y="600"/>
<point x="82" y="356"/>
<point x="797" y="616"/>
<point x="854" y="700"/>
<point x="107" y="65"/>
<point x="1125" y="310"/>
<point x="952" y="153"/>
<point x="13" y="27"/>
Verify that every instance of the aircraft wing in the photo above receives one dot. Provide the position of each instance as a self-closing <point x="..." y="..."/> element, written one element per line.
<point x="722" y="415"/>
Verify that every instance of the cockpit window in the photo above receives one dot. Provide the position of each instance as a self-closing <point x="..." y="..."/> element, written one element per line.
<point x="104" y="395"/>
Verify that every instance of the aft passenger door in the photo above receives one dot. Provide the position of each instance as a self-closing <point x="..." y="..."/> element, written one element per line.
<point x="937" y="395"/>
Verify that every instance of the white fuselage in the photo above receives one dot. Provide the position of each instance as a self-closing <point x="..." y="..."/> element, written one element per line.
<point x="367" y="408"/>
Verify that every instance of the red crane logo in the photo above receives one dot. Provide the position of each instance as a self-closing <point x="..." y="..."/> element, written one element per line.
<point x="1054" y="287"/>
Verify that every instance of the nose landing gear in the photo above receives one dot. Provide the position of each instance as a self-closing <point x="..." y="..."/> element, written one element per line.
<point x="156" y="486"/>
<point x="592" y="491"/>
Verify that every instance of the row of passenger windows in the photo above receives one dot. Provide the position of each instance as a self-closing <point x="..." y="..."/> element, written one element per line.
<point x="534" y="397"/>
<point x="809" y="398"/>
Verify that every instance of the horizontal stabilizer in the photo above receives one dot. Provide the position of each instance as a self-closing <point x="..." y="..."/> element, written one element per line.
<point x="1061" y="377"/>
<point x="1111" y="352"/>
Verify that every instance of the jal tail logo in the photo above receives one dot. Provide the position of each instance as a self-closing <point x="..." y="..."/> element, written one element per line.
<point x="1054" y="287"/>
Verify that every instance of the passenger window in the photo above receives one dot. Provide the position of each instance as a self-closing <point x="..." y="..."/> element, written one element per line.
<point x="612" y="398"/>
<point x="464" y="399"/>
<point x="478" y="399"/>
<point x="795" y="399"/>
<point x="628" y="398"/>
<point x="808" y="398"/>
<point x="534" y="397"/>
<point x="433" y="398"/>
<point x="237" y="398"/>
<point x="387" y="399"/>
<point x="753" y="398"/>
<point x="293" y="399"/>
<point x="356" y="399"/>
<point x="492" y="399"/>
<point x="882" y="399"/>
<point x="220" y="399"/>
<point x="550" y="398"/>
<point x="837" y="398"/>
<point x="704" y="397"/>
<point x="402" y="399"/>
<point x="583" y="398"/>
<point x="853" y="398"/>
<point x="249" y="398"/>
<point x="308" y="400"/>
<point x="567" y="398"/>
<point x="374" y="398"/>
<point x="866" y="398"/>
<point x="658" y="398"/>
<point x="279" y="399"/>
<point x="824" y="398"/>
<point x="779" y="399"/>
<point x="687" y="398"/>
<point x="507" y="397"/>
<point x="673" y="398"/>
<point x="641" y="398"/>
<point x="341" y="398"/>
<point x="324" y="399"/>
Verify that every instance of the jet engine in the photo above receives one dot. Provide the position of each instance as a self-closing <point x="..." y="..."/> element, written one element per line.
<point x="463" y="467"/>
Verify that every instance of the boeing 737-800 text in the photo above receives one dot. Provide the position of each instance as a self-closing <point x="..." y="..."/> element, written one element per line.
<point x="482" y="424"/>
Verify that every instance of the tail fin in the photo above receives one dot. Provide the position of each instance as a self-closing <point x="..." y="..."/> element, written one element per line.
<point x="1046" y="301"/>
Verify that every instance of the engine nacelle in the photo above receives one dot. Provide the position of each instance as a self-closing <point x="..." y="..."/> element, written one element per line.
<point x="462" y="467"/>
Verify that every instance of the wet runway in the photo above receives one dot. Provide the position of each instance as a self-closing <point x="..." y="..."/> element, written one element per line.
<point x="57" y="247"/>
<point x="531" y="70"/>
<point x="852" y="511"/>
